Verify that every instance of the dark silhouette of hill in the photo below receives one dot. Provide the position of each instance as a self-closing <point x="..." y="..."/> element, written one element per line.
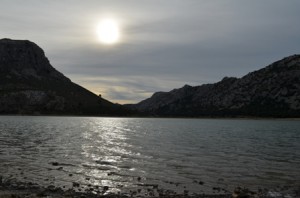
<point x="30" y="85"/>
<point x="273" y="91"/>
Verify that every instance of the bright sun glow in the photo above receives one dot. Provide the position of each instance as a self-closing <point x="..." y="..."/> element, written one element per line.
<point x="108" y="31"/>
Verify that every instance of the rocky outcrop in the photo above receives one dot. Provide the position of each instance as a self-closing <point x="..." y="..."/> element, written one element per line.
<point x="273" y="91"/>
<point x="30" y="85"/>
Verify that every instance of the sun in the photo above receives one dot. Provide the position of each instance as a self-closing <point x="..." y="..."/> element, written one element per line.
<point x="108" y="31"/>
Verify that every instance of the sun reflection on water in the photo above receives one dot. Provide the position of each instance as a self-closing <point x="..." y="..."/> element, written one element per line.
<point x="108" y="152"/>
<point x="126" y="153"/>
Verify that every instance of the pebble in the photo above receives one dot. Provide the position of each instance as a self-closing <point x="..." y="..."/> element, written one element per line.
<point x="216" y="189"/>
<point x="54" y="163"/>
<point x="51" y="187"/>
<point x="105" y="188"/>
<point x="75" y="184"/>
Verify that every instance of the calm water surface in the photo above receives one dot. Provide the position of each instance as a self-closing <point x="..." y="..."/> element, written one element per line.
<point x="128" y="153"/>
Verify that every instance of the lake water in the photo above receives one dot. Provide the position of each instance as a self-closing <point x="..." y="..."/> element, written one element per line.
<point x="129" y="153"/>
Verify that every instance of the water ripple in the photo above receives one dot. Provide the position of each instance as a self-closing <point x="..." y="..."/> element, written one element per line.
<point x="131" y="152"/>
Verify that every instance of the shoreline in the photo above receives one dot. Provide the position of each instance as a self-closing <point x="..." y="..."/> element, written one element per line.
<point x="157" y="117"/>
<point x="15" y="189"/>
<point x="11" y="188"/>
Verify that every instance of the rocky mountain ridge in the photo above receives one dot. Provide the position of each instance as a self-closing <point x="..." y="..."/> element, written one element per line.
<point x="30" y="85"/>
<point x="273" y="91"/>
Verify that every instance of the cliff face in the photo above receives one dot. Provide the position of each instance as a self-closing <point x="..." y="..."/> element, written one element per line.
<point x="273" y="91"/>
<point x="30" y="85"/>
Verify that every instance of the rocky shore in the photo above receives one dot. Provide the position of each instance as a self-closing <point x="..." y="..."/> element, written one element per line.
<point x="11" y="188"/>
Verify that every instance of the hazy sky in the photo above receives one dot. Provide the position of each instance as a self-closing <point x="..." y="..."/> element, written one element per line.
<point x="164" y="44"/>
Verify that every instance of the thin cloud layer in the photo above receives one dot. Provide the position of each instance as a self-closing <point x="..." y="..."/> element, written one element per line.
<point x="164" y="46"/>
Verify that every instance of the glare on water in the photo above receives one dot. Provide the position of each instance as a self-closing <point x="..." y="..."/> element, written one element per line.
<point x="125" y="153"/>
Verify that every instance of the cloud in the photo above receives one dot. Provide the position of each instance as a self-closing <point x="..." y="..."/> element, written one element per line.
<point x="164" y="46"/>
<point x="123" y="90"/>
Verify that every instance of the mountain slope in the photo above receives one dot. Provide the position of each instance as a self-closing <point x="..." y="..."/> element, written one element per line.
<point x="29" y="84"/>
<point x="273" y="91"/>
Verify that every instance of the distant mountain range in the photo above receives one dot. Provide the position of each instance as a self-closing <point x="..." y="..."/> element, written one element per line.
<point x="30" y="85"/>
<point x="273" y="91"/>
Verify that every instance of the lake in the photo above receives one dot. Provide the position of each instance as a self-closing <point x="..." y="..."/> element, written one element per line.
<point x="198" y="155"/>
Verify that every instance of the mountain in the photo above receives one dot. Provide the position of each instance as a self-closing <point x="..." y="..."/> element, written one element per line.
<point x="30" y="85"/>
<point x="273" y="91"/>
